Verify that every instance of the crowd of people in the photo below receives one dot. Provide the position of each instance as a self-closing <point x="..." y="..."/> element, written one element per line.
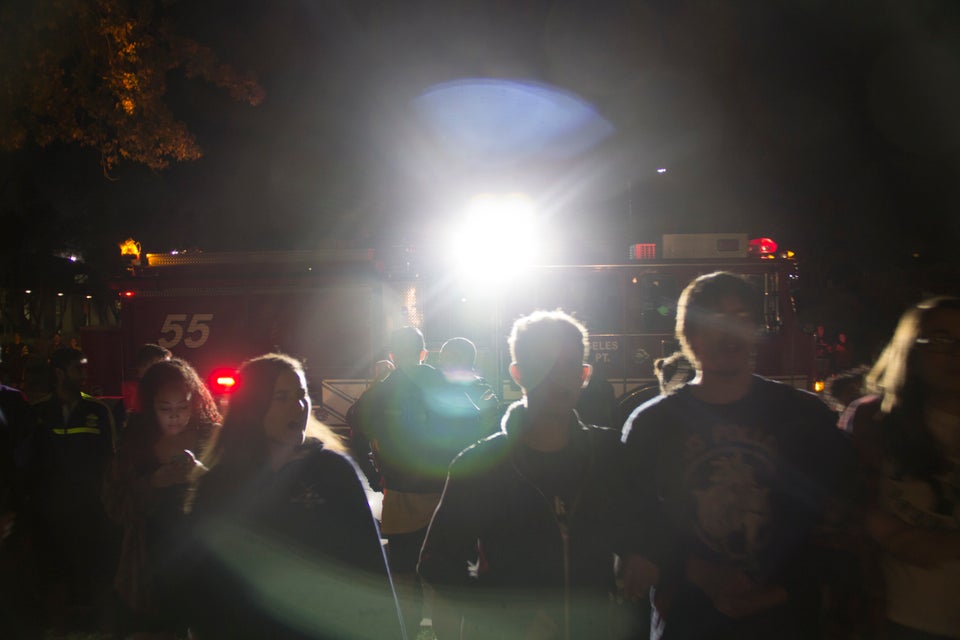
<point x="727" y="506"/>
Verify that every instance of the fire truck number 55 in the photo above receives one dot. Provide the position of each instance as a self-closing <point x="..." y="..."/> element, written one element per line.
<point x="195" y="335"/>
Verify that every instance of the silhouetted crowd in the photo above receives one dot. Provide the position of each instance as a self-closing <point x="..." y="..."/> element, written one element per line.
<point x="725" y="506"/>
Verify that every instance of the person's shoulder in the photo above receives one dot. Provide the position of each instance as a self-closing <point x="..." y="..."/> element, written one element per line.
<point x="604" y="440"/>
<point x="11" y="396"/>
<point x="482" y="393"/>
<point x="862" y="416"/>
<point x="490" y="444"/>
<point x="315" y="456"/>
<point x="6" y="390"/>
<point x="650" y="414"/>
<point x="782" y="392"/>
<point x="599" y="432"/>
<point x="92" y="402"/>
<point x="480" y="383"/>
<point x="868" y="405"/>
<point x="313" y="449"/>
<point x="425" y="376"/>
<point x="483" y="454"/>
<point x="47" y="409"/>
<point x="89" y="405"/>
<point x="405" y="378"/>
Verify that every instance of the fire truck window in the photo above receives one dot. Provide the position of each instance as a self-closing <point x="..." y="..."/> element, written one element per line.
<point x="768" y="316"/>
<point x="656" y="302"/>
<point x="603" y="303"/>
<point x="594" y="298"/>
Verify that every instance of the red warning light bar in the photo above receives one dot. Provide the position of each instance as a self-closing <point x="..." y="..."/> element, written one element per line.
<point x="762" y="247"/>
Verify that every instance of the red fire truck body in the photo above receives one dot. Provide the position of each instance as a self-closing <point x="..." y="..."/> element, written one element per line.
<point x="331" y="309"/>
<point x="334" y="310"/>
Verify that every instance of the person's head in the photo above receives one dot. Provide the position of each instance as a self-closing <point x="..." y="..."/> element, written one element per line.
<point x="843" y="388"/>
<point x="718" y="323"/>
<point x="147" y="355"/>
<point x="382" y="369"/>
<point x="270" y="408"/>
<point x="922" y="358"/>
<point x="458" y="354"/>
<point x="673" y="372"/>
<point x="67" y="367"/>
<point x="407" y="347"/>
<point x="174" y="397"/>
<point x="548" y="351"/>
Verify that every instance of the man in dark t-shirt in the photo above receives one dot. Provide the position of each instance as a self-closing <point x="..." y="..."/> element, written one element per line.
<point x="730" y="474"/>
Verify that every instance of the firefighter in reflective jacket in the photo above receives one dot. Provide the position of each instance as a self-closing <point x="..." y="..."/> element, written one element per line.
<point x="73" y="443"/>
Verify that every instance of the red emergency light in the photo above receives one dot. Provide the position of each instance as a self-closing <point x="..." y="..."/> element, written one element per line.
<point x="762" y="247"/>
<point x="127" y="294"/>
<point x="643" y="251"/>
<point x="223" y="381"/>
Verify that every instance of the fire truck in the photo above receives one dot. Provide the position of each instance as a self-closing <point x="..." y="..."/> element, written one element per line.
<point x="335" y="310"/>
<point x="332" y="309"/>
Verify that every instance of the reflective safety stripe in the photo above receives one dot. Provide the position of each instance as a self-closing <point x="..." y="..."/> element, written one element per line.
<point x="70" y="432"/>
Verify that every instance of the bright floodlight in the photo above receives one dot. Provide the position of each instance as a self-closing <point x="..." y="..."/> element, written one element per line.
<point x="497" y="237"/>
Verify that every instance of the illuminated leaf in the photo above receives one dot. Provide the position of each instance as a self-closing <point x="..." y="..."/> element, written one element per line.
<point x="93" y="73"/>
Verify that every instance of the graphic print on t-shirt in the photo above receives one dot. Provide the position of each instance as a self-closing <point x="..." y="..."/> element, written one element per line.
<point x="730" y="481"/>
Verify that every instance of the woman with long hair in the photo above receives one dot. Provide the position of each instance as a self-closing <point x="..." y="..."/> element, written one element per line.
<point x="907" y="433"/>
<point x="284" y="534"/>
<point x="147" y="485"/>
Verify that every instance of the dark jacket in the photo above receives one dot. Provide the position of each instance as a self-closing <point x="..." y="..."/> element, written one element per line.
<point x="294" y="553"/>
<point x="16" y="424"/>
<point x="513" y="555"/>
<point x="418" y="423"/>
<point x="70" y="458"/>
<point x="482" y="395"/>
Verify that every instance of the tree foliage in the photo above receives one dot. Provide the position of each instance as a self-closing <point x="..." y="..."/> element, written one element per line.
<point x="94" y="73"/>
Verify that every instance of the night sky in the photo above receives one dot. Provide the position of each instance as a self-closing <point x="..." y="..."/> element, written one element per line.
<point x="831" y="126"/>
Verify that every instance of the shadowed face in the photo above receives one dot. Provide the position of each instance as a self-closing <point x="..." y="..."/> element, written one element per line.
<point x="173" y="408"/>
<point x="286" y="419"/>
<point x="553" y="380"/>
<point x="724" y="339"/>
<point x="72" y="376"/>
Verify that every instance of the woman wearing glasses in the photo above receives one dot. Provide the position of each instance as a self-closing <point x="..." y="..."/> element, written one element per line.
<point x="908" y="436"/>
